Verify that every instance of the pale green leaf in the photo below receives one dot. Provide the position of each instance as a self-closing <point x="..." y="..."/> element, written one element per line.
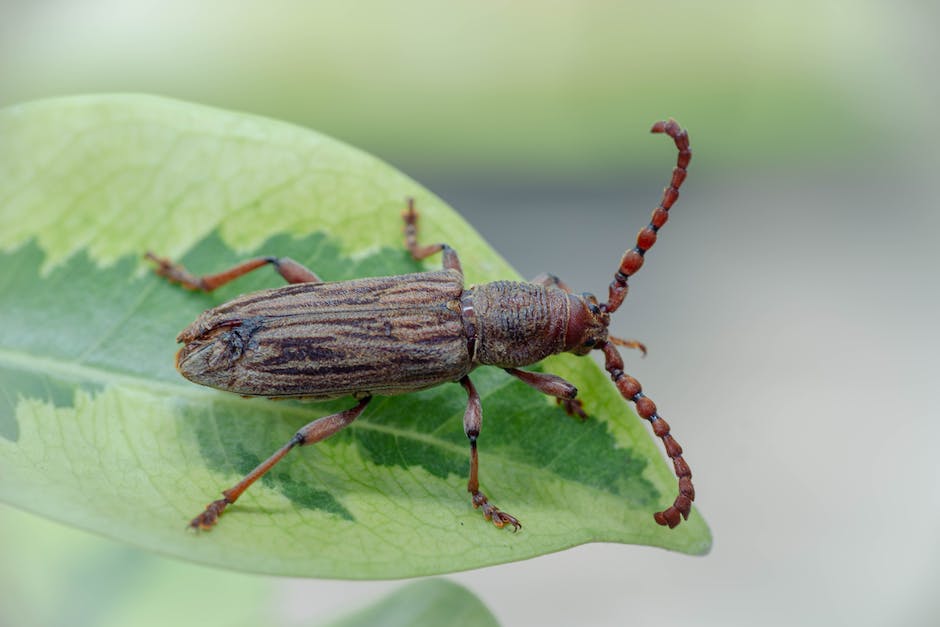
<point x="98" y="430"/>
<point x="428" y="603"/>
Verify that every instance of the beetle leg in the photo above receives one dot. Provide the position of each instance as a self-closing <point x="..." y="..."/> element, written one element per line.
<point x="550" y="280"/>
<point x="419" y="252"/>
<point x="472" y="419"/>
<point x="553" y="385"/>
<point x="292" y="272"/>
<point x="311" y="433"/>
<point x="631" y="390"/>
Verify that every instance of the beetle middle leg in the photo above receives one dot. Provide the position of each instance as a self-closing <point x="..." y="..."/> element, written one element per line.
<point x="311" y="433"/>
<point x="419" y="252"/>
<point x="472" y="420"/>
<point x="292" y="271"/>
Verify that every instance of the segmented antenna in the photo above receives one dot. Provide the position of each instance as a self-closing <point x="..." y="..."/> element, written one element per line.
<point x="631" y="390"/>
<point x="633" y="259"/>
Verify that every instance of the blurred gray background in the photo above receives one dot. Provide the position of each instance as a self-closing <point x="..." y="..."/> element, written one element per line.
<point x="790" y="304"/>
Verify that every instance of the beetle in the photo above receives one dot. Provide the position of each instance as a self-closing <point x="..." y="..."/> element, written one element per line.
<point x="393" y="335"/>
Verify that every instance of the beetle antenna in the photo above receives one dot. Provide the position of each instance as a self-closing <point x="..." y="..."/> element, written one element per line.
<point x="631" y="390"/>
<point x="633" y="259"/>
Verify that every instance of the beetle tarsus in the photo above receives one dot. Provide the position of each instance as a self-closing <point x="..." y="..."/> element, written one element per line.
<point x="573" y="407"/>
<point x="207" y="519"/>
<point x="493" y="513"/>
<point x="175" y="273"/>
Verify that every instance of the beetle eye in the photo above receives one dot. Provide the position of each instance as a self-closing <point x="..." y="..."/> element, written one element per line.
<point x="594" y="309"/>
<point x="589" y="344"/>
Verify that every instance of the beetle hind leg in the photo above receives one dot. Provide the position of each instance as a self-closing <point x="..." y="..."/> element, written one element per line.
<point x="472" y="420"/>
<point x="310" y="433"/>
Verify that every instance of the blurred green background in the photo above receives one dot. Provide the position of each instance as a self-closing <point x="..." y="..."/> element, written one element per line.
<point x="790" y="305"/>
<point x="542" y="88"/>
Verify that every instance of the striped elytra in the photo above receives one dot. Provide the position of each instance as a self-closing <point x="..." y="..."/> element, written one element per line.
<point x="384" y="335"/>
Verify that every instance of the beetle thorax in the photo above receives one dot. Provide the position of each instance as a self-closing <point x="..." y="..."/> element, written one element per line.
<point x="513" y="324"/>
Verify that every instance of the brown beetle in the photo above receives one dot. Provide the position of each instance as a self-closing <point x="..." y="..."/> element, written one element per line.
<point x="399" y="334"/>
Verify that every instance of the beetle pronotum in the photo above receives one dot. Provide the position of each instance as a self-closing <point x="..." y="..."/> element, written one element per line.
<point x="398" y="334"/>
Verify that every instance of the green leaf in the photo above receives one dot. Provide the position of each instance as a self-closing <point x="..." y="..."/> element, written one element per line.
<point x="98" y="430"/>
<point x="428" y="603"/>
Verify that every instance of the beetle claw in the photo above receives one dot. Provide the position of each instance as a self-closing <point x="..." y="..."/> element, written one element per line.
<point x="501" y="519"/>
<point x="573" y="407"/>
<point x="493" y="513"/>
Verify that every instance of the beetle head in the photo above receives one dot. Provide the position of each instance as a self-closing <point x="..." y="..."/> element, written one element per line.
<point x="587" y="324"/>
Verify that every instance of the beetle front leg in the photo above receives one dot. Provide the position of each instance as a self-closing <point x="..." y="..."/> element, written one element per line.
<point x="472" y="420"/>
<point x="550" y="280"/>
<point x="292" y="272"/>
<point x="553" y="385"/>
<point x="311" y="433"/>
<point x="418" y="252"/>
